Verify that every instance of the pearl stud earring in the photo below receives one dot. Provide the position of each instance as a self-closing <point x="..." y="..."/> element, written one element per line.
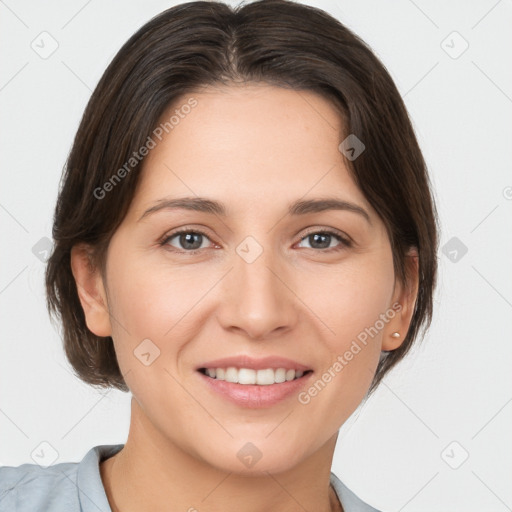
<point x="395" y="335"/>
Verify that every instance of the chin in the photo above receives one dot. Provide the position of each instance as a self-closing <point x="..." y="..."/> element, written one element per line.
<point x="254" y="458"/>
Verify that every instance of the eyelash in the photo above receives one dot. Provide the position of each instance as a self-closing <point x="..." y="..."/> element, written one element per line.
<point x="345" y="243"/>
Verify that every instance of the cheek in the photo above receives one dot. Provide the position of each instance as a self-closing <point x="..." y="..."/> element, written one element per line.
<point x="160" y="303"/>
<point x="149" y="296"/>
<point x="351" y="299"/>
<point x="145" y="306"/>
<point x="352" y="306"/>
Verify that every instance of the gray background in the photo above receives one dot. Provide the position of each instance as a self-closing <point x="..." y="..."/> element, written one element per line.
<point x="436" y="435"/>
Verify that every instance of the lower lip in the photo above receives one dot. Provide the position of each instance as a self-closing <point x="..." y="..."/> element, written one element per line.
<point x="253" y="396"/>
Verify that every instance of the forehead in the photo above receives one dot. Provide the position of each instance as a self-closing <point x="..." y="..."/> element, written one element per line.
<point x="249" y="145"/>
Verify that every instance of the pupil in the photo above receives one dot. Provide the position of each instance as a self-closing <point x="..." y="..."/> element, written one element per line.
<point x="325" y="236"/>
<point x="188" y="238"/>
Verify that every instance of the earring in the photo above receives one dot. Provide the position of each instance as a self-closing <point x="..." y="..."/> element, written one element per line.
<point x="395" y="335"/>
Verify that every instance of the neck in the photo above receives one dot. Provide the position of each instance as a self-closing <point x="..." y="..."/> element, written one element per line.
<point x="151" y="473"/>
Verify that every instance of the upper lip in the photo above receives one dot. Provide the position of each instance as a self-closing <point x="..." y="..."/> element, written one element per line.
<point x="245" y="361"/>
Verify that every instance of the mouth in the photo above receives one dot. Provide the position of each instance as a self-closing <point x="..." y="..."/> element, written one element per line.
<point x="254" y="382"/>
<point x="250" y="376"/>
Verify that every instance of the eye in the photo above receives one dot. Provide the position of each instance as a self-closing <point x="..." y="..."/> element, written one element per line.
<point x="322" y="240"/>
<point x="188" y="240"/>
<point x="192" y="241"/>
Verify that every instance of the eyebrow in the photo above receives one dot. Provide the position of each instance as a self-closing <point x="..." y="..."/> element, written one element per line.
<point x="299" y="207"/>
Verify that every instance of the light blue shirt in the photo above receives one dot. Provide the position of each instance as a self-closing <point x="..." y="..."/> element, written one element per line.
<point x="77" y="486"/>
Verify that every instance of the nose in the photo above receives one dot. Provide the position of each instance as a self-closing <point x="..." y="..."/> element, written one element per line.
<point x="258" y="297"/>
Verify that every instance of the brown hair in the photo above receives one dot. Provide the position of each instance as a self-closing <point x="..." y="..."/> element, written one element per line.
<point x="202" y="43"/>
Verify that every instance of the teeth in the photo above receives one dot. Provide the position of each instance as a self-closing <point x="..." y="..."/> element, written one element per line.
<point x="250" y="376"/>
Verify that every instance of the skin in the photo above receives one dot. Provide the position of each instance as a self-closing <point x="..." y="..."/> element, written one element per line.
<point x="255" y="148"/>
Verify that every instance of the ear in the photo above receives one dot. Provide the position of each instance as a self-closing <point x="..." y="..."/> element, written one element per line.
<point x="404" y="297"/>
<point x="91" y="290"/>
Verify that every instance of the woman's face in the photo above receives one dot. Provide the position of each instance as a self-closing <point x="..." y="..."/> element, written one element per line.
<point x="255" y="283"/>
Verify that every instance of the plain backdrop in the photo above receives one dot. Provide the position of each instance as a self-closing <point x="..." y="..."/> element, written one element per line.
<point x="436" y="434"/>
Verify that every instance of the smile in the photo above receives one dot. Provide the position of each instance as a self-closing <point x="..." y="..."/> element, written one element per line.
<point x="247" y="376"/>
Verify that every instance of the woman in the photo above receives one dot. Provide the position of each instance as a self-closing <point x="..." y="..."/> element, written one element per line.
<point x="245" y="239"/>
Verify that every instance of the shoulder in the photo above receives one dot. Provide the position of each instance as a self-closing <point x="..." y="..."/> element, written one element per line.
<point x="349" y="500"/>
<point x="63" y="487"/>
<point x="31" y="487"/>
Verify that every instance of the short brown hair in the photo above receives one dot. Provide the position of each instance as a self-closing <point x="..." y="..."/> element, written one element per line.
<point x="203" y="43"/>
